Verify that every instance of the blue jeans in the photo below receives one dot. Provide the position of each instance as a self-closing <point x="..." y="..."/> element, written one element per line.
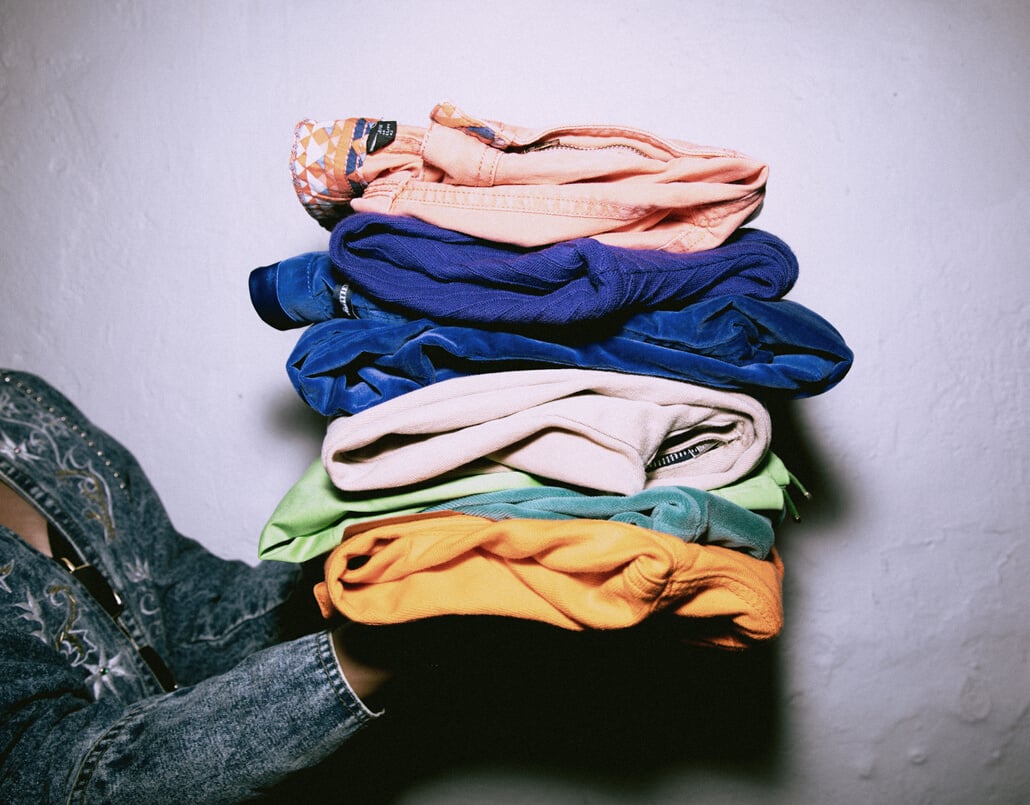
<point x="82" y="716"/>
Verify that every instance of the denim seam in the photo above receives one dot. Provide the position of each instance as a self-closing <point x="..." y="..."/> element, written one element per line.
<point x="338" y="679"/>
<point x="233" y="627"/>
<point x="91" y="762"/>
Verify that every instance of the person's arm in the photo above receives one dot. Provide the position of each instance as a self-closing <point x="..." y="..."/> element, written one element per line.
<point x="254" y="705"/>
<point x="220" y="740"/>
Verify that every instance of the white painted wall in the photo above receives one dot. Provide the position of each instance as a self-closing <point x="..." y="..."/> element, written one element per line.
<point x="144" y="171"/>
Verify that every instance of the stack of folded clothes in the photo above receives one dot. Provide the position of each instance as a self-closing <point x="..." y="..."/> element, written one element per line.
<point x="546" y="357"/>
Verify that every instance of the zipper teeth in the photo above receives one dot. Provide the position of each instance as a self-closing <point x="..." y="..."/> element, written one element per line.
<point x="343" y="301"/>
<point x="666" y="460"/>
<point x="560" y="146"/>
<point x="679" y="456"/>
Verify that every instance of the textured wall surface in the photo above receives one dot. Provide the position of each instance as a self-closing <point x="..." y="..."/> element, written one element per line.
<point x="143" y="172"/>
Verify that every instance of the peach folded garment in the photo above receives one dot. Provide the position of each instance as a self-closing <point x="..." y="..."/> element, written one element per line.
<point x="599" y="430"/>
<point x="529" y="186"/>
<point x="575" y="574"/>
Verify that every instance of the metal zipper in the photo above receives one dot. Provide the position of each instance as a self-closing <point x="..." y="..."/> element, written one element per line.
<point x="681" y="455"/>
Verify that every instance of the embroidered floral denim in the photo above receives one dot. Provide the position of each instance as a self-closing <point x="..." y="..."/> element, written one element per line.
<point x="82" y="716"/>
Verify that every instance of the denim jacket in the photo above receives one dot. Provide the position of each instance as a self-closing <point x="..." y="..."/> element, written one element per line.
<point x="83" y="718"/>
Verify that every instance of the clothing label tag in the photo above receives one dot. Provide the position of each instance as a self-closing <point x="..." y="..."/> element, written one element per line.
<point x="381" y="135"/>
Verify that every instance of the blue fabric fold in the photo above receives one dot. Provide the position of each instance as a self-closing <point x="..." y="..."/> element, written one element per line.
<point x="763" y="348"/>
<point x="295" y="292"/>
<point x="422" y="270"/>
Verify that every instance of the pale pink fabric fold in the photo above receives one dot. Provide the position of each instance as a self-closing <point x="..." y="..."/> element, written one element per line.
<point x="605" y="431"/>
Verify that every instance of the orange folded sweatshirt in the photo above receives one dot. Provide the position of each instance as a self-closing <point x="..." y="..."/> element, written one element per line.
<point x="576" y="574"/>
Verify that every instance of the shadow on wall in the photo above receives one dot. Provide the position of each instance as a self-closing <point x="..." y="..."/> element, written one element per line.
<point x="792" y="442"/>
<point x="611" y="709"/>
<point x="290" y="419"/>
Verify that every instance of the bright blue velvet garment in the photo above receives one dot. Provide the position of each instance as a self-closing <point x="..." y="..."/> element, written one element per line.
<point x="764" y="348"/>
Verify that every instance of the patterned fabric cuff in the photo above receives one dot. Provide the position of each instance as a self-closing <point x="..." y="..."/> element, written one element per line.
<point x="326" y="165"/>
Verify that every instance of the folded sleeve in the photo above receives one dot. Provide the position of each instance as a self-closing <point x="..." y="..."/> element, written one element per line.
<point x="224" y="739"/>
